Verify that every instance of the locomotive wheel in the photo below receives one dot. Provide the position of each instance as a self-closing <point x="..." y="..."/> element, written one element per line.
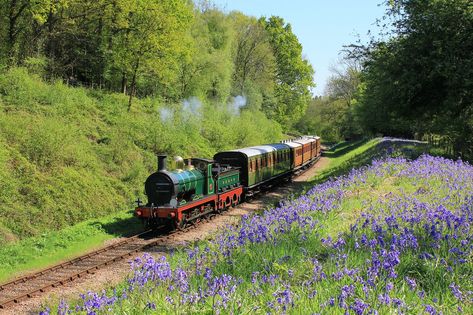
<point x="180" y="225"/>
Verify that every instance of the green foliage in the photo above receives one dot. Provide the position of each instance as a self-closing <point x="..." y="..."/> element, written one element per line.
<point x="293" y="73"/>
<point x="420" y="81"/>
<point x="51" y="247"/>
<point x="148" y="40"/>
<point x="70" y="154"/>
<point x="334" y="115"/>
<point x="168" y="49"/>
<point x="254" y="74"/>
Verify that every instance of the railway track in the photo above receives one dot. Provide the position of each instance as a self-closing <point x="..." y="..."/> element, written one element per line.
<point x="37" y="283"/>
<point x="32" y="285"/>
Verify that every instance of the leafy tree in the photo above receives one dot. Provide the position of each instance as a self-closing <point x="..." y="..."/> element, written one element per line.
<point x="344" y="81"/>
<point x="22" y="22"/>
<point x="205" y="70"/>
<point x="148" y="40"/>
<point x="420" y="81"/>
<point x="293" y="74"/>
<point x="254" y="62"/>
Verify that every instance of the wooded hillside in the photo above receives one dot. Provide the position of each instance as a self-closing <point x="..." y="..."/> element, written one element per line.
<point x="69" y="154"/>
<point x="171" y="49"/>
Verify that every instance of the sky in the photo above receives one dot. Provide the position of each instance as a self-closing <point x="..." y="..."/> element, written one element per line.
<point x="322" y="26"/>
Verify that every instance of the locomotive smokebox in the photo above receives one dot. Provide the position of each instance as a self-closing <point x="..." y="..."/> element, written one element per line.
<point x="162" y="162"/>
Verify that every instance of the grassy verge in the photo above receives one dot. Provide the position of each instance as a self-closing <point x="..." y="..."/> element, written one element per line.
<point x="56" y="246"/>
<point x="351" y="154"/>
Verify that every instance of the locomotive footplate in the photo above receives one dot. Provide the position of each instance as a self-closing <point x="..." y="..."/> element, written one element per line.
<point x="168" y="212"/>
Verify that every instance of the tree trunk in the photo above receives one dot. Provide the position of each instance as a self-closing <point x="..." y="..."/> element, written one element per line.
<point x="124" y="83"/>
<point x="133" y="84"/>
<point x="13" y="28"/>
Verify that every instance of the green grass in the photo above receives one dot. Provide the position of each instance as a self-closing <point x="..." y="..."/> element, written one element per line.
<point x="347" y="155"/>
<point x="53" y="247"/>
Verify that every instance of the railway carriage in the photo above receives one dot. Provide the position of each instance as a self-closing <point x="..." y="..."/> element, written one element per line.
<point x="258" y="164"/>
<point x="296" y="154"/>
<point x="306" y="149"/>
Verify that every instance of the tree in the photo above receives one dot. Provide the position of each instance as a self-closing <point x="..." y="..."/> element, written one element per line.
<point x="206" y="70"/>
<point x="344" y="81"/>
<point x="420" y="81"/>
<point x="293" y="74"/>
<point x="148" y="41"/>
<point x="334" y="114"/>
<point x="22" y="21"/>
<point x="254" y="62"/>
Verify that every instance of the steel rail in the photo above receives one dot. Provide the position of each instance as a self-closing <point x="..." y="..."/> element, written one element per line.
<point x="73" y="263"/>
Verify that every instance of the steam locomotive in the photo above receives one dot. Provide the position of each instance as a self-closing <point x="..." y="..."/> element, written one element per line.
<point x="180" y="197"/>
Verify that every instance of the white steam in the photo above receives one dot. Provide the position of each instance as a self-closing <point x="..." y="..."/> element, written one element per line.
<point x="192" y="106"/>
<point x="236" y="104"/>
<point x="165" y="114"/>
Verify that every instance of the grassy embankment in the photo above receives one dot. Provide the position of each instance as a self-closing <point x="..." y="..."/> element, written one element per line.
<point x="388" y="238"/>
<point x="72" y="155"/>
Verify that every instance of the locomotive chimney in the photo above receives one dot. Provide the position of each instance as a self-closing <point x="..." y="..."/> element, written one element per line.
<point x="162" y="162"/>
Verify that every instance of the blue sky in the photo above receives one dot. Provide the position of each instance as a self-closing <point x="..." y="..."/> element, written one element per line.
<point x="322" y="26"/>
